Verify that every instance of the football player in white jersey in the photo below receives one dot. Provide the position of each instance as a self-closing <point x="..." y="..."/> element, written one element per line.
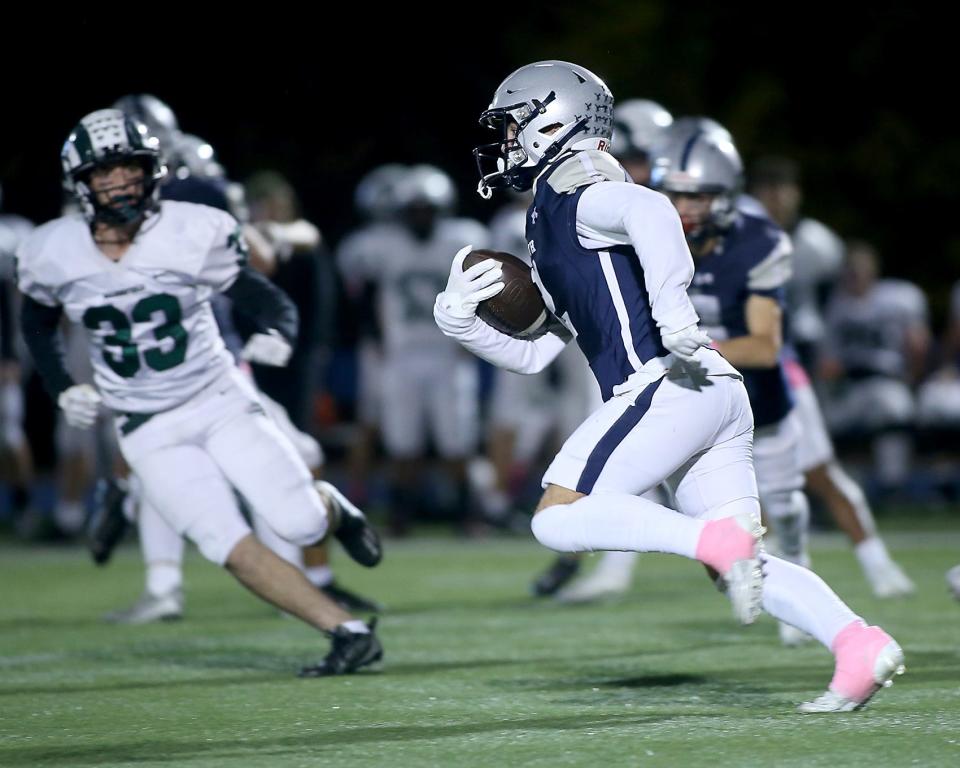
<point x="358" y="253"/>
<point x="138" y="274"/>
<point x="16" y="456"/>
<point x="196" y="177"/>
<point x="874" y="352"/>
<point x="613" y="267"/>
<point x="938" y="400"/>
<point x="939" y="397"/>
<point x="429" y="386"/>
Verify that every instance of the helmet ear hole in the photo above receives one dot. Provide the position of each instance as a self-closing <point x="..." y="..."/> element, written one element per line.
<point x="549" y="130"/>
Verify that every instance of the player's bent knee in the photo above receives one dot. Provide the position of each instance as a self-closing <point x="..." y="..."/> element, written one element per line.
<point x="553" y="528"/>
<point x="746" y="504"/>
<point x="304" y="527"/>
<point x="299" y="517"/>
<point x="216" y="538"/>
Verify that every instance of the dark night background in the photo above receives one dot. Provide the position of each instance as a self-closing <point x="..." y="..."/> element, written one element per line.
<point x="861" y="98"/>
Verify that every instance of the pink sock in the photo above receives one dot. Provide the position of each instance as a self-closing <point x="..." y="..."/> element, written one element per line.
<point x="723" y="542"/>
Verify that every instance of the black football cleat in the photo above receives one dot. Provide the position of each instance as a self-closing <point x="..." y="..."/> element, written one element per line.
<point x="560" y="572"/>
<point x="350" y="601"/>
<point x="351" y="527"/>
<point x="349" y="651"/>
<point x="106" y="524"/>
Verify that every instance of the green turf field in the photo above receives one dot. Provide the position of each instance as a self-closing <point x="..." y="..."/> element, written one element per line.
<point x="476" y="673"/>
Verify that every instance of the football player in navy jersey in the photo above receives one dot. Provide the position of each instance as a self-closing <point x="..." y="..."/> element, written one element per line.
<point x="637" y="129"/>
<point x="742" y="265"/>
<point x="612" y="264"/>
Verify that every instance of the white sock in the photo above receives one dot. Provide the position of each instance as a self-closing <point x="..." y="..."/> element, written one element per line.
<point x="292" y="553"/>
<point x="159" y="541"/>
<point x="789" y="515"/>
<point x="799" y="597"/>
<point x="892" y="454"/>
<point x="163" y="578"/>
<point x="69" y="516"/>
<point x="357" y="627"/>
<point x="162" y="550"/>
<point x="134" y="497"/>
<point x="872" y="553"/>
<point x="614" y="521"/>
<point x="618" y="565"/>
<point x="319" y="575"/>
<point x="854" y="494"/>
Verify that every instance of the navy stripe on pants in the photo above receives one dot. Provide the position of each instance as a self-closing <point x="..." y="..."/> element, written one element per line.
<point x="607" y="444"/>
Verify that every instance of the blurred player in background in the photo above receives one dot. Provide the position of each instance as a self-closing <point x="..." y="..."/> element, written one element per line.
<point x="429" y="387"/>
<point x="873" y="354"/>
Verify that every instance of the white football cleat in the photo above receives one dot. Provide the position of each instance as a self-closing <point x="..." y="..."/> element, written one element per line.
<point x="953" y="581"/>
<point x="150" y="608"/>
<point x="867" y="660"/>
<point x="598" y="585"/>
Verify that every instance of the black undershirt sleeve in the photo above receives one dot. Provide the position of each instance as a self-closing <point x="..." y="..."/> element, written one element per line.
<point x="40" y="325"/>
<point x="260" y="300"/>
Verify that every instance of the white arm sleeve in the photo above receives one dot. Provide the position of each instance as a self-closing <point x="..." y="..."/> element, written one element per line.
<point x="517" y="355"/>
<point x="29" y="279"/>
<point x="620" y="213"/>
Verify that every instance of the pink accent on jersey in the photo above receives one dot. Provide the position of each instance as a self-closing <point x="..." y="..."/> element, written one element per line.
<point x="796" y="377"/>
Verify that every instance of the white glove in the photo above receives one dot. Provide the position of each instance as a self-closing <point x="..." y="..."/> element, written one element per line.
<point x="80" y="404"/>
<point x="268" y="348"/>
<point x="465" y="290"/>
<point x="685" y="342"/>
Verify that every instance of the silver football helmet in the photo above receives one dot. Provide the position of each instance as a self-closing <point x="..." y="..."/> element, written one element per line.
<point x="539" y="111"/>
<point x="426" y="185"/>
<point x="690" y="123"/>
<point x="698" y="157"/>
<point x="637" y="125"/>
<point x="153" y="113"/>
<point x="189" y="155"/>
<point x="376" y="194"/>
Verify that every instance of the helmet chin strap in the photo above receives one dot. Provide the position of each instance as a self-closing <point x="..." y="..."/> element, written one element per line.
<point x="484" y="190"/>
<point x="528" y="173"/>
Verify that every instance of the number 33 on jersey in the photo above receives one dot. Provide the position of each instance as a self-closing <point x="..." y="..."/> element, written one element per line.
<point x="154" y="340"/>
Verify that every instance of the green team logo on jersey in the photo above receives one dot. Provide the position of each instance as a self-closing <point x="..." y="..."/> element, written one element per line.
<point x="418" y="291"/>
<point x="236" y="242"/>
<point x="121" y="354"/>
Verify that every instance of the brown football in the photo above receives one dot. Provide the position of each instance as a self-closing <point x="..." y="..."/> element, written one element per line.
<point x="518" y="310"/>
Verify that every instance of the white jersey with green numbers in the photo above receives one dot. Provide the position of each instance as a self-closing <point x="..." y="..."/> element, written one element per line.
<point x="154" y="342"/>
<point x="409" y="273"/>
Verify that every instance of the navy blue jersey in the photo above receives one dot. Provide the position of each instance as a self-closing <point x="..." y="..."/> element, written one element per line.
<point x="196" y="190"/>
<point x="600" y="293"/>
<point x="752" y="258"/>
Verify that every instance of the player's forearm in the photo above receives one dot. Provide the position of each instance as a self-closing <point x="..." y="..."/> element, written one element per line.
<point x="750" y="351"/>
<point x="518" y="355"/>
<point x="40" y="326"/>
<point x="269" y="307"/>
